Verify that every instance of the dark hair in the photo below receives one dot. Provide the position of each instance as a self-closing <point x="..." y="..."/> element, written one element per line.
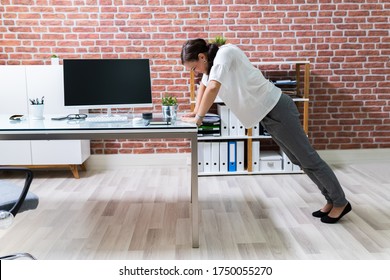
<point x="192" y="48"/>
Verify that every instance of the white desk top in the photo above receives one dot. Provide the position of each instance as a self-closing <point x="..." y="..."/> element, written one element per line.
<point x="51" y="129"/>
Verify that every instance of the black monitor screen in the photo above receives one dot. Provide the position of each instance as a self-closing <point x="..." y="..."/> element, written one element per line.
<point x="107" y="83"/>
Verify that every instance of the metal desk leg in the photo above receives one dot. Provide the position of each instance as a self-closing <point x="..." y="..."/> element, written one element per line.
<point x="194" y="191"/>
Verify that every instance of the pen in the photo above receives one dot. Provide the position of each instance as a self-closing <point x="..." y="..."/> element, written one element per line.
<point x="36" y="101"/>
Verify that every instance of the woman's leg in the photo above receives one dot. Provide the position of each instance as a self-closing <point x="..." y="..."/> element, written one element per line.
<point x="308" y="172"/>
<point x="285" y="127"/>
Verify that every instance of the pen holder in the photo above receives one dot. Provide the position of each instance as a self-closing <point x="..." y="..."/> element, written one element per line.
<point x="36" y="111"/>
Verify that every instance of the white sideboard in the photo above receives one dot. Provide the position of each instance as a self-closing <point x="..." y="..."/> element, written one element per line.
<point x="17" y="85"/>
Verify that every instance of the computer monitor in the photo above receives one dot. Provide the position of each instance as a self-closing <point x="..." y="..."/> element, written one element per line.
<point x="107" y="83"/>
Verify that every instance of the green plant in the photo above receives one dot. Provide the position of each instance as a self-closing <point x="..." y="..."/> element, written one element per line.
<point x="54" y="56"/>
<point x="219" y="40"/>
<point x="169" y="100"/>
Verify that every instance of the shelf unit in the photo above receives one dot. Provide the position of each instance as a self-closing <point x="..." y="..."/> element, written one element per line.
<point x="301" y="73"/>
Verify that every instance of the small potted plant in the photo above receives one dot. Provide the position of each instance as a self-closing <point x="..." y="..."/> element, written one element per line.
<point x="55" y="60"/>
<point x="169" y="107"/>
<point x="219" y="40"/>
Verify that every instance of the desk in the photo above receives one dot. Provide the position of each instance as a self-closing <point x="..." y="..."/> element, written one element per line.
<point x="77" y="130"/>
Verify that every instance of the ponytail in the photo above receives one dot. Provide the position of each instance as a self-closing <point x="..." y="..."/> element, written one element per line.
<point x="211" y="54"/>
<point x="192" y="48"/>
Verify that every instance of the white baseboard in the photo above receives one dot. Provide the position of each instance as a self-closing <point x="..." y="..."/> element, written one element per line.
<point x="118" y="161"/>
<point x="355" y="156"/>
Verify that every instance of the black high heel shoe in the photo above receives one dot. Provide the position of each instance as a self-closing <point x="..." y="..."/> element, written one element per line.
<point x="329" y="220"/>
<point x="319" y="214"/>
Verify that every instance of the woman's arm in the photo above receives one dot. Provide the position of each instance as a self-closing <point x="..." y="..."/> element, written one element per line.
<point x="199" y="96"/>
<point x="208" y="97"/>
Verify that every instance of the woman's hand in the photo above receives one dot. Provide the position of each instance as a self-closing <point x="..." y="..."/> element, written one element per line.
<point x="194" y="120"/>
<point x="189" y="115"/>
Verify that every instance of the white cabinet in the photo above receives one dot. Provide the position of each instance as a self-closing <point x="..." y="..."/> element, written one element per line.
<point x="17" y="85"/>
<point x="64" y="151"/>
<point x="15" y="153"/>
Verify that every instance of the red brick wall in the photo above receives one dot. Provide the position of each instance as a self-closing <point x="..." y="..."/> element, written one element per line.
<point x="347" y="43"/>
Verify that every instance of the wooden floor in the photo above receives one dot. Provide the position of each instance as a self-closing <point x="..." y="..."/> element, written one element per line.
<point x="143" y="213"/>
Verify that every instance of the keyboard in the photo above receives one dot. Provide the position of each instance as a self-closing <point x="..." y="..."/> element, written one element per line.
<point x="107" y="119"/>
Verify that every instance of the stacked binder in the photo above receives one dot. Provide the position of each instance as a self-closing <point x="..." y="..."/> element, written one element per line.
<point x="211" y="126"/>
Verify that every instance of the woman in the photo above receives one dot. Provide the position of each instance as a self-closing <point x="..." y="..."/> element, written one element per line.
<point x="228" y="73"/>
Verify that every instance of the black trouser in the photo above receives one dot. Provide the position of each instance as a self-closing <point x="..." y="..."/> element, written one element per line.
<point x="284" y="125"/>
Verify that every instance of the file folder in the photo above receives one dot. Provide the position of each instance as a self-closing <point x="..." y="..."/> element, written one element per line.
<point x="240" y="156"/>
<point x="223" y="156"/>
<point x="233" y="124"/>
<point x="287" y="164"/>
<point x="200" y="156"/>
<point x="255" y="130"/>
<point x="215" y="156"/>
<point x="206" y="156"/>
<point x="255" y="155"/>
<point x="223" y="112"/>
<point x="232" y="156"/>
<point x="240" y="128"/>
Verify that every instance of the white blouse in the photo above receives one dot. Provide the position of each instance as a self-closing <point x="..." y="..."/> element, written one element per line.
<point x="243" y="87"/>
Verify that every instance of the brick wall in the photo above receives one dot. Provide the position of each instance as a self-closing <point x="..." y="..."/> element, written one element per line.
<point x="347" y="43"/>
